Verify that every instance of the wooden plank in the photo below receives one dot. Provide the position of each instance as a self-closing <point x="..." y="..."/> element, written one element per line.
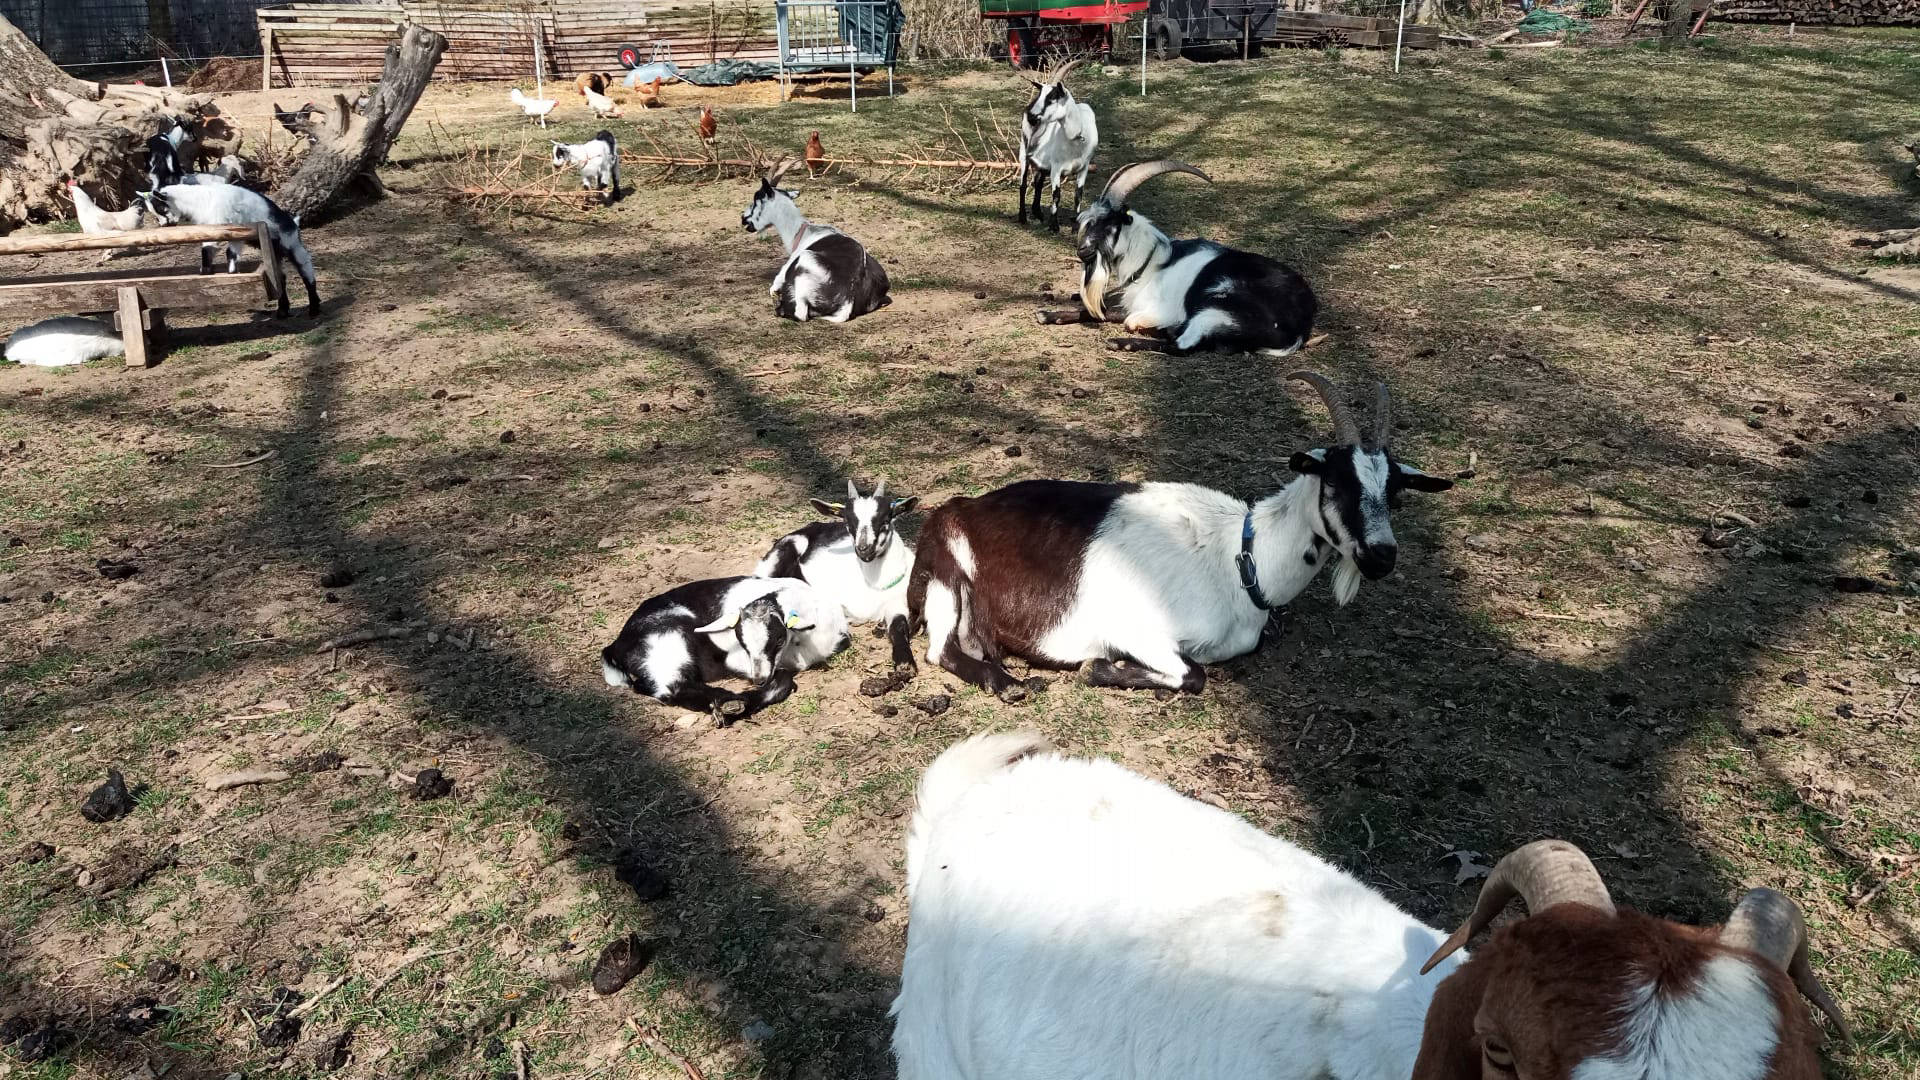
<point x="103" y="292"/>
<point x="272" y="274"/>
<point x="133" y="334"/>
<point x="176" y="234"/>
<point x="266" y="59"/>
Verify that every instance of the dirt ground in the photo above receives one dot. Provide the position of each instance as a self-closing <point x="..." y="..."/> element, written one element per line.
<point x="1667" y="613"/>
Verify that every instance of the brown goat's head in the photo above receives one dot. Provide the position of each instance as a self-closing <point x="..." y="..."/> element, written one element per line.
<point x="1581" y="991"/>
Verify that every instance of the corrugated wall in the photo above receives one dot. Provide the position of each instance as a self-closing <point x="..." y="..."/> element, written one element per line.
<point x="319" y="44"/>
<point x="128" y="31"/>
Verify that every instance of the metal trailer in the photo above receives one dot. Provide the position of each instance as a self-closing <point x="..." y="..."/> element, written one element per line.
<point x="832" y="36"/>
<point x="1174" y="25"/>
<point x="1071" y="27"/>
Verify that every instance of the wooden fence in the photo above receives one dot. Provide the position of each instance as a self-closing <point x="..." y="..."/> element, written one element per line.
<point x="339" y="43"/>
<point x="1821" y="12"/>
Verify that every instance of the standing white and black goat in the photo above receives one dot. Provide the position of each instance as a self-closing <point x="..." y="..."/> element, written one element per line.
<point x="598" y="160"/>
<point x="827" y="274"/>
<point x="229" y="204"/>
<point x="759" y="629"/>
<point x="1192" y="294"/>
<point x="856" y="561"/>
<point x="1150" y="581"/>
<point x="1058" y="136"/>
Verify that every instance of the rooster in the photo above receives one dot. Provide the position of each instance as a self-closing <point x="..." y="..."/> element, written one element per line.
<point x="538" y="108"/>
<point x="816" y="156"/>
<point x="708" y="125"/>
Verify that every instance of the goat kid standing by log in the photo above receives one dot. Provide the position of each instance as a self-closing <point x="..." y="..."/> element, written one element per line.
<point x="1193" y="294"/>
<point x="1147" y="582"/>
<point x="827" y="275"/>
<point x="1058" y="136"/>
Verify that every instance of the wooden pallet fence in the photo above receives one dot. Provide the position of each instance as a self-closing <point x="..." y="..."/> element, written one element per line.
<point x="330" y="44"/>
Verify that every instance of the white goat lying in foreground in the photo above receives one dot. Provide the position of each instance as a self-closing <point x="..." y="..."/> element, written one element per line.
<point x="1072" y="920"/>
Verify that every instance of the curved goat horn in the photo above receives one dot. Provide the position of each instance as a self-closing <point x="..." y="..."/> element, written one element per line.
<point x="1542" y="874"/>
<point x="1344" y="429"/>
<point x="852" y="492"/>
<point x="1382" y="415"/>
<point x="1128" y="177"/>
<point x="1768" y="923"/>
<point x="779" y="170"/>
<point x="1060" y="73"/>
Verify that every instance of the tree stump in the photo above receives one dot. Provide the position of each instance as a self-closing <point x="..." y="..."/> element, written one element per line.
<point x="52" y="124"/>
<point x="347" y="145"/>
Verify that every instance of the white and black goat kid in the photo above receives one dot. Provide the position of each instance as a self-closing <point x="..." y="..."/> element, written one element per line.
<point x="598" y="160"/>
<point x="230" y="204"/>
<point x="1191" y="294"/>
<point x="827" y="275"/>
<point x="167" y="151"/>
<point x="1150" y="581"/>
<point x="1058" y="136"/>
<point x="677" y="644"/>
<point x="857" y="561"/>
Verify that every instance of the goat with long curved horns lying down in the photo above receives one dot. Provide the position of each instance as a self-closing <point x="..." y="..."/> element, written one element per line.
<point x="1150" y="581"/>
<point x="1193" y="295"/>
<point x="1071" y="920"/>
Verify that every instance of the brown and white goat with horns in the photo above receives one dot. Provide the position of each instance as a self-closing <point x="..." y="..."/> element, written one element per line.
<point x="1072" y="920"/>
<point x="1150" y="581"/>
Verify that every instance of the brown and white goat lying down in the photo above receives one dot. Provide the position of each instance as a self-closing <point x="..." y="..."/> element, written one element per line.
<point x="1072" y="920"/>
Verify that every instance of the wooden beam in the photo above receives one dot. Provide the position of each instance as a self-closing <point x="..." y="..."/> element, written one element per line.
<point x="266" y="58"/>
<point x="132" y="334"/>
<point x="133" y="238"/>
<point x="104" y="292"/>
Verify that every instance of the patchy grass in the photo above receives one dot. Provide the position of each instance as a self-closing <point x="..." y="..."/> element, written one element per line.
<point x="1612" y="283"/>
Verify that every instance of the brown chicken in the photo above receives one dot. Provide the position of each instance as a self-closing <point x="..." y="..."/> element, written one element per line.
<point x="707" y="125"/>
<point x="816" y="156"/>
<point x="649" y="93"/>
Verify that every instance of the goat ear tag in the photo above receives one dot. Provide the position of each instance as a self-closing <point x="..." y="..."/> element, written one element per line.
<point x="793" y="620"/>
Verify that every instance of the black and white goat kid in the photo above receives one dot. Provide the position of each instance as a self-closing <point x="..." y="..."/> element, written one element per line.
<point x="598" y="160"/>
<point x="1150" y="581"/>
<point x="856" y="560"/>
<point x="169" y="150"/>
<point x="230" y="204"/>
<point x="1192" y="294"/>
<point x="675" y="645"/>
<point x="827" y="274"/>
<point x="1058" y="136"/>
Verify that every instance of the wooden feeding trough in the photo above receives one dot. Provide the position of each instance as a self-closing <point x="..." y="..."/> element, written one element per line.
<point x="138" y="299"/>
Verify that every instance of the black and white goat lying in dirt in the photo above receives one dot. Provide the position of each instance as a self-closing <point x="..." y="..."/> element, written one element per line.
<point x="1058" y="136"/>
<point x="1150" y="581"/>
<point x="598" y="160"/>
<point x="229" y="204"/>
<point x="760" y="629"/>
<point x="1191" y="294"/>
<point x="827" y="275"/>
<point x="856" y="561"/>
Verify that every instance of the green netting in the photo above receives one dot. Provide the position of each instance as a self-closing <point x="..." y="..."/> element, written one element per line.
<point x="1542" y="21"/>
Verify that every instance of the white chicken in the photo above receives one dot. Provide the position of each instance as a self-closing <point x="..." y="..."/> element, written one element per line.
<point x="538" y="108"/>
<point x="97" y="222"/>
<point x="602" y="105"/>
